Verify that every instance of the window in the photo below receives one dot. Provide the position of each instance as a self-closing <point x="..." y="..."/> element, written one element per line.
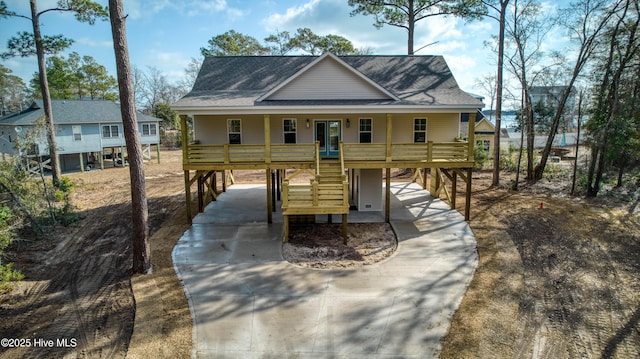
<point x="289" y="130"/>
<point x="365" y="130"/>
<point x="419" y="130"/>
<point x="233" y="130"/>
<point x="484" y="144"/>
<point x="77" y="132"/>
<point x="148" y="129"/>
<point x="110" y="131"/>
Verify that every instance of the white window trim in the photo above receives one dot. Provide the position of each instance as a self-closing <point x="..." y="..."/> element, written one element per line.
<point x="426" y="127"/>
<point x="229" y="132"/>
<point x="284" y="132"/>
<point x="149" y="127"/>
<point x="110" y="131"/>
<point x="370" y="131"/>
<point x="74" y="133"/>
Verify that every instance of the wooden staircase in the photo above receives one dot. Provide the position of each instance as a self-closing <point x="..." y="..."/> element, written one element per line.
<point x="328" y="193"/>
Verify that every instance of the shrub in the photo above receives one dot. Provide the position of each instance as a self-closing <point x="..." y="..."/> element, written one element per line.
<point x="8" y="275"/>
<point x="480" y="156"/>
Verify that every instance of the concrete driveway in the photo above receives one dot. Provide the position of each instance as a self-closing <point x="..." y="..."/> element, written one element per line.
<point x="247" y="302"/>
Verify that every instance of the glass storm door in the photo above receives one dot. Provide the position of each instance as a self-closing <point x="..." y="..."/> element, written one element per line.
<point x="328" y="133"/>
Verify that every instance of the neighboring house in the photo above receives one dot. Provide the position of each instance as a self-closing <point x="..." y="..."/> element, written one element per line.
<point x="86" y="131"/>
<point x="484" y="131"/>
<point x="345" y="119"/>
<point x="550" y="96"/>
<point x="511" y="137"/>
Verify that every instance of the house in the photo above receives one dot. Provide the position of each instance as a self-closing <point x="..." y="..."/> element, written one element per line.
<point x="484" y="131"/>
<point x="86" y="131"/>
<point x="345" y="119"/>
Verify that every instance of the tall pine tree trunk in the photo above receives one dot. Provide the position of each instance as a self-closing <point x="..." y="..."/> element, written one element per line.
<point x="499" y="85"/>
<point x="411" y="28"/>
<point x="46" y="96"/>
<point x="141" y="249"/>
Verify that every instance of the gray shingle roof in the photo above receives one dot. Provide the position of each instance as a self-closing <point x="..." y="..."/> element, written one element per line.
<point x="73" y="112"/>
<point x="241" y="80"/>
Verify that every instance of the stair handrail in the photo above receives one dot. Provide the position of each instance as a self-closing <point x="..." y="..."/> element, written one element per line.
<point x="341" y="148"/>
<point x="317" y="158"/>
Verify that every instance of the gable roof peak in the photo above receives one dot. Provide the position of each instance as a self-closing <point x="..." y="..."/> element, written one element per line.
<point x="321" y="79"/>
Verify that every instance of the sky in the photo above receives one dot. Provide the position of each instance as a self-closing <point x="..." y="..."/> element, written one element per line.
<point x="166" y="34"/>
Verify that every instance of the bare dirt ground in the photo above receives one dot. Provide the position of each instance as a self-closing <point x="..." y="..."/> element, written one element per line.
<point x="561" y="281"/>
<point x="557" y="281"/>
<point x="78" y="286"/>
<point x="321" y="245"/>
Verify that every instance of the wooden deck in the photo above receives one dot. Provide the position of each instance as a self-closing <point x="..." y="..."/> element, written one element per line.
<point x="355" y="155"/>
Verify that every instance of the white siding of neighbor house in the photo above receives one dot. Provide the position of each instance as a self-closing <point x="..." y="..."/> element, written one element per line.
<point x="328" y="80"/>
<point x="89" y="141"/>
<point x="149" y="139"/>
<point x="8" y="136"/>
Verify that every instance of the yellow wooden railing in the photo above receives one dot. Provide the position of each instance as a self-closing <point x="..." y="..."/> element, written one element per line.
<point x="422" y="152"/>
<point x="227" y="153"/>
<point x="425" y="152"/>
<point x="341" y="150"/>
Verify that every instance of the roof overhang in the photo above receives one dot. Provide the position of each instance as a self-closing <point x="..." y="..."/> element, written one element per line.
<point x="286" y="110"/>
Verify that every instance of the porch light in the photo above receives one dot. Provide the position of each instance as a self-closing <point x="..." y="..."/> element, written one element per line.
<point x="308" y="124"/>
<point x="348" y="123"/>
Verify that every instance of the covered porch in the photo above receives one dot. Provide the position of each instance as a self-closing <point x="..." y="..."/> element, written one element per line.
<point x="436" y="165"/>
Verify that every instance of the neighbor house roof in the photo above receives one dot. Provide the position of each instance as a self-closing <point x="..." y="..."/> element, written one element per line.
<point x="253" y="82"/>
<point x="73" y="112"/>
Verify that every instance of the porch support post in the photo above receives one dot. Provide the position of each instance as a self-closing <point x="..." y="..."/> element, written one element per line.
<point x="101" y="157"/>
<point x="187" y="191"/>
<point x="467" y="205"/>
<point x="434" y="182"/>
<point x="267" y="139"/>
<point x="185" y="145"/>
<point x="200" y="186"/>
<point x="81" y="163"/>
<point x="471" y="137"/>
<point x="224" y="181"/>
<point x="387" y="195"/>
<point x="345" y="233"/>
<point x="187" y="182"/>
<point x="454" y="189"/>
<point x="269" y="197"/>
<point x="389" y="133"/>
<point x="424" y="177"/>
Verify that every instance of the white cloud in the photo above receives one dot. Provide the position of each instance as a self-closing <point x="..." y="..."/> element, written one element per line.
<point x="139" y="9"/>
<point x="441" y="34"/>
<point x="234" y="14"/>
<point x="93" y="43"/>
<point x="170" y="64"/>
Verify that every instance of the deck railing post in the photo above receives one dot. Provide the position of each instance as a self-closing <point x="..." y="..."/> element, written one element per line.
<point x="185" y="139"/>
<point x="314" y="192"/>
<point x="389" y="138"/>
<point x="226" y="153"/>
<point x="471" y="136"/>
<point x="267" y="139"/>
<point x="285" y="194"/>
<point x="317" y="158"/>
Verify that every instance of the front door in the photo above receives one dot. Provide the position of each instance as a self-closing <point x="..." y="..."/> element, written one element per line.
<point x="329" y="134"/>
